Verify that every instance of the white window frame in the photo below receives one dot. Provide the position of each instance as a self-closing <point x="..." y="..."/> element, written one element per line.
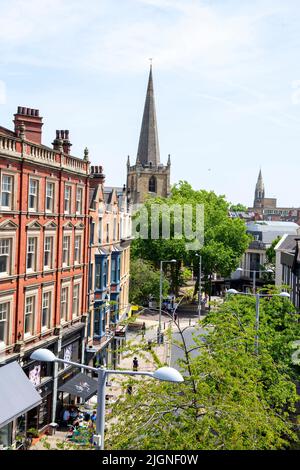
<point x="10" y="301"/>
<point x="67" y="235"/>
<point x="79" y="188"/>
<point x="8" y="255"/>
<point x="50" y="292"/>
<point x="36" y="237"/>
<point x="76" y="285"/>
<point x="34" y="295"/>
<point x="69" y="187"/>
<point x="11" y="192"/>
<point x="78" y="260"/>
<point x="48" y="235"/>
<point x="66" y="285"/>
<point x="52" y="183"/>
<point x="36" y="205"/>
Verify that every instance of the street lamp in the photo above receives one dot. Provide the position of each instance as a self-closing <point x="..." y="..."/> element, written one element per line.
<point x="254" y="274"/>
<point x="160" y="296"/>
<point x="163" y="373"/>
<point x="257" y="297"/>
<point x="200" y="286"/>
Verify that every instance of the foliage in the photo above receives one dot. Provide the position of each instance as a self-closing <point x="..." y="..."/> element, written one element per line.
<point x="231" y="398"/>
<point x="225" y="239"/>
<point x="144" y="282"/>
<point x="33" y="432"/>
<point x="270" y="252"/>
<point x="238" y="208"/>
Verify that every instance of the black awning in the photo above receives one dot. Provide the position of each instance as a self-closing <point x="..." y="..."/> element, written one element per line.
<point x="17" y="394"/>
<point x="81" y="386"/>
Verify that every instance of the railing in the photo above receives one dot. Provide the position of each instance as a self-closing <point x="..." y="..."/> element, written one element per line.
<point x="74" y="164"/>
<point x="45" y="155"/>
<point x="7" y="144"/>
<point x="42" y="153"/>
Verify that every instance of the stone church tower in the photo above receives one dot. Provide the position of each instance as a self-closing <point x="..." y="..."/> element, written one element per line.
<point x="259" y="195"/>
<point x="148" y="177"/>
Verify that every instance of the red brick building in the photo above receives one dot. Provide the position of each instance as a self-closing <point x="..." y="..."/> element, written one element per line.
<point x="44" y="207"/>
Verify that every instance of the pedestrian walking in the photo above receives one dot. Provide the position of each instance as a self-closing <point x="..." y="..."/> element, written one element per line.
<point x="135" y="363"/>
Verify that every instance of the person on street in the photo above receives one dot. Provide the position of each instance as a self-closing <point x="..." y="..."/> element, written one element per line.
<point x="66" y="417"/>
<point x="135" y="363"/>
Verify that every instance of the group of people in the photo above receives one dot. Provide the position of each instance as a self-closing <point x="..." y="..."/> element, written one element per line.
<point x="73" y="416"/>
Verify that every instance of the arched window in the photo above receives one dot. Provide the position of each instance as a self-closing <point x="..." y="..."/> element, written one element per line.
<point x="152" y="184"/>
<point x="132" y="182"/>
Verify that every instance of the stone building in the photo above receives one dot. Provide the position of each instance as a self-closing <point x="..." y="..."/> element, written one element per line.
<point x="109" y="253"/>
<point x="265" y="208"/>
<point x="43" y="260"/>
<point x="148" y="177"/>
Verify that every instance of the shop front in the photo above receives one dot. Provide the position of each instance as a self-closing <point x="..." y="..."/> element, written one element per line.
<point x="71" y="350"/>
<point x="18" y="397"/>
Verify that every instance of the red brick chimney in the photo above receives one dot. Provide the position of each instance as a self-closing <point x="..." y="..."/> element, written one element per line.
<point x="32" y="122"/>
<point x="97" y="176"/>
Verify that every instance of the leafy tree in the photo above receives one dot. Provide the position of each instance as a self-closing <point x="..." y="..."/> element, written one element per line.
<point x="238" y="208"/>
<point x="144" y="282"/>
<point x="225" y="239"/>
<point x="270" y="252"/>
<point x="231" y="397"/>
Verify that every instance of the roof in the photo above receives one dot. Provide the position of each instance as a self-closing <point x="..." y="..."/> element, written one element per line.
<point x="17" y="394"/>
<point x="288" y="243"/>
<point x="271" y="225"/>
<point x="148" y="149"/>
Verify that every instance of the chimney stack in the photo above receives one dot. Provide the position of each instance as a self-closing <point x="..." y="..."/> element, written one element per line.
<point x="62" y="142"/>
<point x="29" y="119"/>
<point x="97" y="176"/>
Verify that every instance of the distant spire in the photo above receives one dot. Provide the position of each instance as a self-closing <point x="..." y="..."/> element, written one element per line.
<point x="148" y="149"/>
<point x="259" y="191"/>
<point x="260" y="184"/>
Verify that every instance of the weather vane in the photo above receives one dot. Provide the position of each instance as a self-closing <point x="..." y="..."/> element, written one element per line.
<point x="150" y="59"/>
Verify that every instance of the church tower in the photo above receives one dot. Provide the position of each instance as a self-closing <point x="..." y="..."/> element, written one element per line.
<point x="148" y="177"/>
<point x="259" y="195"/>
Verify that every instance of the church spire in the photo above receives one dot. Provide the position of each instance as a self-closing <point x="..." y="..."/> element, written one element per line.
<point x="259" y="191"/>
<point x="148" y="149"/>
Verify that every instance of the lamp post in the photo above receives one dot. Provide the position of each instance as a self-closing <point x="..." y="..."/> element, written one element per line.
<point x="257" y="301"/>
<point x="163" y="373"/>
<point x="200" y="285"/>
<point x="254" y="275"/>
<point x="160" y="297"/>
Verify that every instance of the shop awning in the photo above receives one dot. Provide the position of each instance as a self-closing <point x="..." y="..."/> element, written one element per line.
<point x="81" y="386"/>
<point x="17" y="394"/>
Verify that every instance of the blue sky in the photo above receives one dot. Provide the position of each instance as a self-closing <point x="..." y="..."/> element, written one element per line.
<point x="226" y="78"/>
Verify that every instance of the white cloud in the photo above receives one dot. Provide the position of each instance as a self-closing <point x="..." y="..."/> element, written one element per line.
<point x="98" y="36"/>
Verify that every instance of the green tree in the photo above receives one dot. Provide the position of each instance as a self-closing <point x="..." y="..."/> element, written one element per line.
<point x="225" y="239"/>
<point x="144" y="282"/>
<point x="238" y="208"/>
<point x="231" y="398"/>
<point x="270" y="252"/>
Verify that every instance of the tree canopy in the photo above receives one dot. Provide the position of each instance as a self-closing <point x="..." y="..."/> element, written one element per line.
<point x="225" y="239"/>
<point x="231" y="398"/>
